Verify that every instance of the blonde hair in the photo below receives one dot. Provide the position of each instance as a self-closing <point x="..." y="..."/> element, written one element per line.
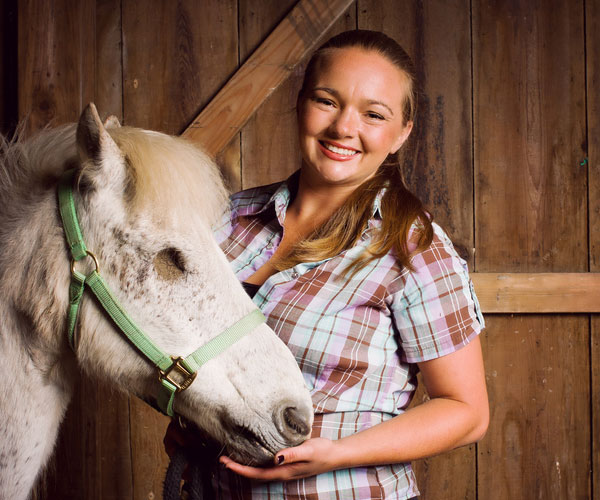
<point x="400" y="209"/>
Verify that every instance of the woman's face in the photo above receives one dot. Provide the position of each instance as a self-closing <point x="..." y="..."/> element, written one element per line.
<point x="350" y="116"/>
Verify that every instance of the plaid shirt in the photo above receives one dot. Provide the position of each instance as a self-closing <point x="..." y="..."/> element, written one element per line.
<point x="356" y="340"/>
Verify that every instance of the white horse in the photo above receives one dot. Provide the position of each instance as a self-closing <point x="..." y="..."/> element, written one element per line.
<point x="145" y="202"/>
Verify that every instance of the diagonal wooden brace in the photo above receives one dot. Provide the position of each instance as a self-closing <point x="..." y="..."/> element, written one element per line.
<point x="269" y="66"/>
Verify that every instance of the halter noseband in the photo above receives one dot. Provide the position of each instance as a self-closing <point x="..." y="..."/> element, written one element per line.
<point x="175" y="373"/>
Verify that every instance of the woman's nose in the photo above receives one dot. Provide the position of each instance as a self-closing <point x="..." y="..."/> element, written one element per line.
<point x="345" y="124"/>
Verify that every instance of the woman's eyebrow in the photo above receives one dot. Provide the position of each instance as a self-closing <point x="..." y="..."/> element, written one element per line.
<point x="336" y="94"/>
<point x="381" y="103"/>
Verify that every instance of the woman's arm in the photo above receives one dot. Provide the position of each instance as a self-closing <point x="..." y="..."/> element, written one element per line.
<point x="457" y="414"/>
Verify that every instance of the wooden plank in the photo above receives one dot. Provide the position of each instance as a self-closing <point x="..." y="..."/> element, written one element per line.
<point x="537" y="445"/>
<point x="176" y="56"/>
<point x="164" y="89"/>
<point x="438" y="162"/>
<point x="592" y="30"/>
<point x="592" y="10"/>
<point x="264" y="70"/>
<point x="538" y="292"/>
<point x="270" y="150"/>
<point x="531" y="216"/>
<point x="529" y="133"/>
<point x="56" y="77"/>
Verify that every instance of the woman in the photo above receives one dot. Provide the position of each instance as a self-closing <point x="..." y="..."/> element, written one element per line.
<point x="365" y="290"/>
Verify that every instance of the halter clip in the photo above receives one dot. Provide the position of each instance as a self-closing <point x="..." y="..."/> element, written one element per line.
<point x="182" y="383"/>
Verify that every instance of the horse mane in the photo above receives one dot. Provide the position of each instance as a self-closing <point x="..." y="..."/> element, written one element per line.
<point x="172" y="178"/>
<point x="23" y="163"/>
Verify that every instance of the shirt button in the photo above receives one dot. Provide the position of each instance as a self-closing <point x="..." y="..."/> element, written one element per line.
<point x="269" y="246"/>
<point x="295" y="275"/>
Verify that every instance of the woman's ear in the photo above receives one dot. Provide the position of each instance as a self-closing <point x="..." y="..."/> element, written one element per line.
<point x="402" y="137"/>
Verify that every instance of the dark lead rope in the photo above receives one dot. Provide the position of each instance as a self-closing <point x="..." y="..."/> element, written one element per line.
<point x="199" y="485"/>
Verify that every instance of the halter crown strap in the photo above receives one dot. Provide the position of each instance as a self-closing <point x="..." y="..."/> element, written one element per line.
<point x="175" y="373"/>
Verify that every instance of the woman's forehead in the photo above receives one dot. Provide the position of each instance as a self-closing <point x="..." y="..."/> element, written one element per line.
<point x="368" y="70"/>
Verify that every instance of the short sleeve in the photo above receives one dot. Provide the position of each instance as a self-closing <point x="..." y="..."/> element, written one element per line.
<point x="436" y="312"/>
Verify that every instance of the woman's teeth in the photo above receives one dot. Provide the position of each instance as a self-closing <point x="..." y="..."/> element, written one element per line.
<point x="340" y="151"/>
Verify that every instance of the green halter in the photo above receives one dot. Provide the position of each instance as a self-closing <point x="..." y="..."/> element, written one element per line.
<point x="174" y="372"/>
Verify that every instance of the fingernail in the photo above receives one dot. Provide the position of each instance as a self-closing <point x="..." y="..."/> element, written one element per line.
<point x="280" y="459"/>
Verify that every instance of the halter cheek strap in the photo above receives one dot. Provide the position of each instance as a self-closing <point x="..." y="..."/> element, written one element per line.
<point x="174" y="372"/>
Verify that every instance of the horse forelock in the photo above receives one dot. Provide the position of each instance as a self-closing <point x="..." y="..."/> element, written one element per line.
<point x="170" y="177"/>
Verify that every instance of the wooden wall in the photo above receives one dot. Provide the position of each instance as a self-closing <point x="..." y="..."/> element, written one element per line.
<point x="505" y="153"/>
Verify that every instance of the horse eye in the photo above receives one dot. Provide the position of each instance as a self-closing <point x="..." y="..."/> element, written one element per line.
<point x="169" y="264"/>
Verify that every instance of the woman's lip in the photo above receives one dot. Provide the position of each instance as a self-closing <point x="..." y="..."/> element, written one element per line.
<point x="337" y="156"/>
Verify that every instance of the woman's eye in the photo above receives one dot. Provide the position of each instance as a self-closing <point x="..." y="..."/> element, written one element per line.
<point x="322" y="100"/>
<point x="169" y="264"/>
<point x="375" y="116"/>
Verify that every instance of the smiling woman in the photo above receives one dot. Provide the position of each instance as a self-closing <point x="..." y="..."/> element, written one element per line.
<point x="365" y="290"/>
<point x="350" y="117"/>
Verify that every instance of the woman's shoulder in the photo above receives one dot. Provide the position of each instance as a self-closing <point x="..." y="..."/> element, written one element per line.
<point x="441" y="252"/>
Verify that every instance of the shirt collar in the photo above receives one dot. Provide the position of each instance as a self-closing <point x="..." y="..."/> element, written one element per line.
<point x="281" y="197"/>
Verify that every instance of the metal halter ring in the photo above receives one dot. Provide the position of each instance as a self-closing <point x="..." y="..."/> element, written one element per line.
<point x="89" y="254"/>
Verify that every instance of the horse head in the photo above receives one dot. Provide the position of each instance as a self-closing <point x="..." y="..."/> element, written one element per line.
<point x="145" y="203"/>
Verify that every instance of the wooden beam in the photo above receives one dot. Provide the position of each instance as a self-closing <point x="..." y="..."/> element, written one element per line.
<point x="287" y="45"/>
<point x="538" y="293"/>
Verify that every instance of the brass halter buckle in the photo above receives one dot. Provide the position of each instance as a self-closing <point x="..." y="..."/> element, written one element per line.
<point x="184" y="376"/>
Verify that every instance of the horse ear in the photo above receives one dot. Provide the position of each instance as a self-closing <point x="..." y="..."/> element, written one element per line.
<point x="93" y="141"/>
<point x="96" y="146"/>
<point x="112" y="122"/>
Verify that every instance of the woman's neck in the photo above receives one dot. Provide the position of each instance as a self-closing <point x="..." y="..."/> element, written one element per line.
<point x="314" y="203"/>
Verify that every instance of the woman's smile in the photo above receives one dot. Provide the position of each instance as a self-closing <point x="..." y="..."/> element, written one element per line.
<point x="338" y="152"/>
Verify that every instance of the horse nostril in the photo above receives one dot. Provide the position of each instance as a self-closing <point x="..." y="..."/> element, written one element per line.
<point x="296" y="421"/>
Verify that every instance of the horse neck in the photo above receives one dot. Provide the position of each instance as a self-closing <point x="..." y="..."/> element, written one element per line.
<point x="36" y="371"/>
<point x="34" y="276"/>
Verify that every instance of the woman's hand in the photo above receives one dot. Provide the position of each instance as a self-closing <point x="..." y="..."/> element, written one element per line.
<point x="312" y="457"/>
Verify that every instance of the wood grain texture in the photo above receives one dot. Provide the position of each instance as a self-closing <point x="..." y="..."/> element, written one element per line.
<point x="592" y="17"/>
<point x="592" y="30"/>
<point x="538" y="292"/>
<point x="529" y="136"/>
<point x="176" y="56"/>
<point x="268" y="66"/>
<point x="270" y="149"/>
<point x="437" y="161"/>
<point x="531" y="216"/>
<point x="56" y="60"/>
<point x="537" y="445"/>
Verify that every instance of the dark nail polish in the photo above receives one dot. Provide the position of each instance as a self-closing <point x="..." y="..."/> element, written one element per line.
<point x="279" y="459"/>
